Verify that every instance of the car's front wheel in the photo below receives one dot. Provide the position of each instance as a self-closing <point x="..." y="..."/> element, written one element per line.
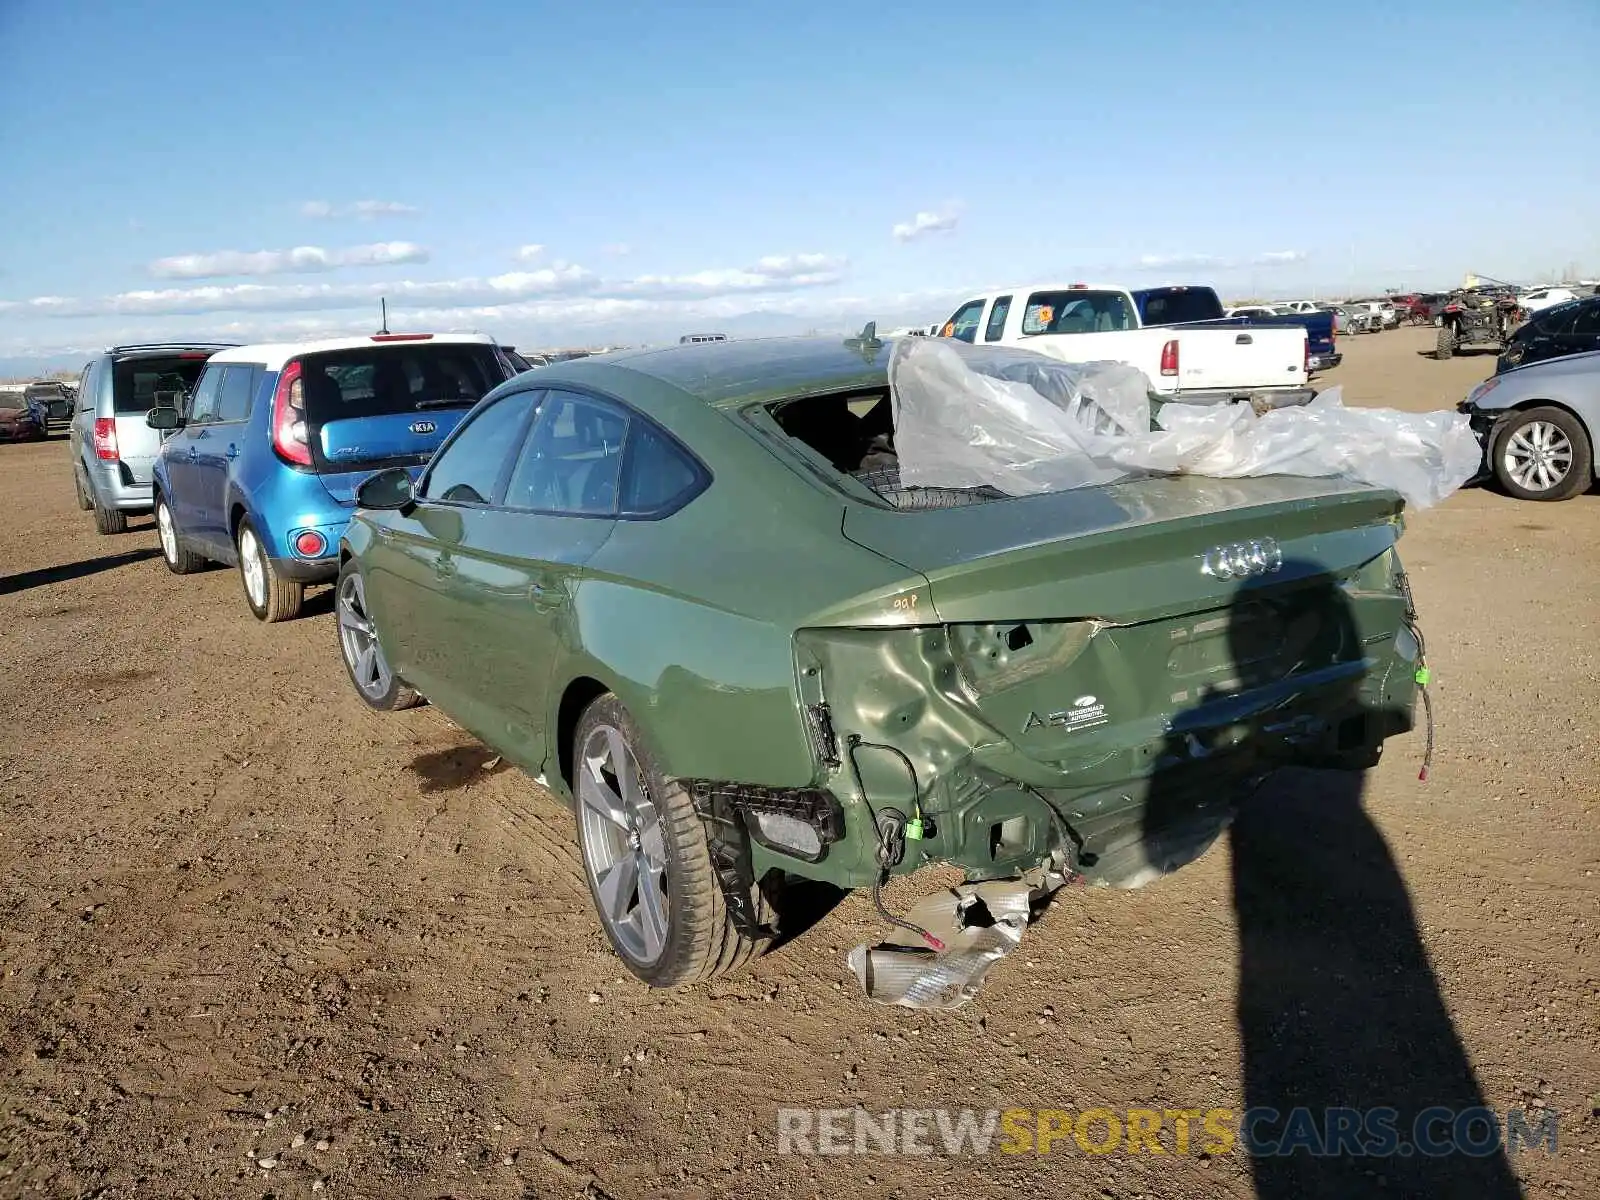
<point x="1543" y="454"/>
<point x="271" y="595"/>
<point x="375" y="681"/>
<point x="179" y="558"/>
<point x="647" y="860"/>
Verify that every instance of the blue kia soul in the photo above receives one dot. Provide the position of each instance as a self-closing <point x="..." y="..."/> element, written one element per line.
<point x="261" y="459"/>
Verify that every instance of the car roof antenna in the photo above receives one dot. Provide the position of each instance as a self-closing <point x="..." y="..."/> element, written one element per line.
<point x="383" y="307"/>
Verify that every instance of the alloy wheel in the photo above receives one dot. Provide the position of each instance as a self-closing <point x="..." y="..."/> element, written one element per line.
<point x="255" y="571"/>
<point x="358" y="638"/>
<point x="1538" y="456"/>
<point x="624" y="845"/>
<point x="169" y="536"/>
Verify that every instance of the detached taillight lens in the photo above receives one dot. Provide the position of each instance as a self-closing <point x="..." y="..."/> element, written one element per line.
<point x="289" y="417"/>
<point x="105" y="439"/>
<point x="1169" y="358"/>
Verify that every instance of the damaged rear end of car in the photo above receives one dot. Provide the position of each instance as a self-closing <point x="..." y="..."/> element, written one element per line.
<point x="1083" y="681"/>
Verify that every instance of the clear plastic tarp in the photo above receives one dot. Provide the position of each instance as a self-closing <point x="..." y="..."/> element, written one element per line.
<point x="973" y="416"/>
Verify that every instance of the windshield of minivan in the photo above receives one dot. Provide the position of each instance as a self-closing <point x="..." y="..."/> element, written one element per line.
<point x="370" y="381"/>
<point x="136" y="382"/>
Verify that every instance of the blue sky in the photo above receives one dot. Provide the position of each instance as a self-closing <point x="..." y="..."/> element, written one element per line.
<point x="622" y="172"/>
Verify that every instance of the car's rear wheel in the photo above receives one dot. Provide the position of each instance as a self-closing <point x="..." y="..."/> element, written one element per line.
<point x="109" y="520"/>
<point x="647" y="860"/>
<point x="179" y="558"/>
<point x="375" y="681"/>
<point x="1543" y="454"/>
<point x="271" y="596"/>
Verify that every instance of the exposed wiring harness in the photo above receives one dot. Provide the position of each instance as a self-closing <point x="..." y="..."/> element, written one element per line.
<point x="891" y="841"/>
<point x="1423" y="675"/>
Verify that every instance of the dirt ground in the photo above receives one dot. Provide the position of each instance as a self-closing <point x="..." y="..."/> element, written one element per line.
<point x="256" y="940"/>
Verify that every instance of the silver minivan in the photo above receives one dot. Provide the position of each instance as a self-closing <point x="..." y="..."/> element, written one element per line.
<point x="112" y="447"/>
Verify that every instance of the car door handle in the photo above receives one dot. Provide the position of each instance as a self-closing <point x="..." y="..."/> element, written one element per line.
<point x="1244" y="339"/>
<point x="233" y="451"/>
<point x="191" y="454"/>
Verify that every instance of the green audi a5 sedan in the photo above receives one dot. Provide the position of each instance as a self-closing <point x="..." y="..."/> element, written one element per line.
<point x="684" y="589"/>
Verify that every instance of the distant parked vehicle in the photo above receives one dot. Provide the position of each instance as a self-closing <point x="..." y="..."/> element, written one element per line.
<point x="1542" y="298"/>
<point x="1253" y="310"/>
<point x="20" y="421"/>
<point x="1360" y="318"/>
<point x="1538" y="424"/>
<point x="1297" y="306"/>
<point x="54" y="396"/>
<point x="1475" y="318"/>
<point x="112" y="448"/>
<point x="263" y="458"/>
<point x="1571" y="328"/>
<point x="692" y="338"/>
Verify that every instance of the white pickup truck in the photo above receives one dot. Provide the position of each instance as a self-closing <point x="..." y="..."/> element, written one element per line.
<point x="1177" y="336"/>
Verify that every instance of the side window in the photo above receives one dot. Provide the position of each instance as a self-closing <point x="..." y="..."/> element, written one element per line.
<point x="1588" y="322"/>
<point x="573" y="458"/>
<point x="1558" y="321"/>
<point x="964" y="324"/>
<point x="233" y="396"/>
<point x="469" y="469"/>
<point x="203" y="404"/>
<point x="996" y="327"/>
<point x="658" y="476"/>
<point x="86" y="387"/>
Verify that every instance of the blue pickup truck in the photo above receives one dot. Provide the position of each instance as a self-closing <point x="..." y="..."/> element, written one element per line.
<point x="1189" y="305"/>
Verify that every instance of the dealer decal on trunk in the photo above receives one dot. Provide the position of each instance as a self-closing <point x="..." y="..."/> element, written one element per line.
<point x="1086" y="713"/>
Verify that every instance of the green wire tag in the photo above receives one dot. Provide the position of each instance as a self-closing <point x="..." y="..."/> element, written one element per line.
<point x="1424" y="676"/>
<point x="914" y="829"/>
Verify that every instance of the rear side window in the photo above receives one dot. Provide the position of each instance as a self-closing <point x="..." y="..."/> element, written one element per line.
<point x="1588" y="322"/>
<point x="239" y="383"/>
<point x="1558" y="321"/>
<point x="468" y="470"/>
<point x="136" y="382"/>
<point x="995" y="329"/>
<point x="371" y="381"/>
<point x="658" y="476"/>
<point x="572" y="462"/>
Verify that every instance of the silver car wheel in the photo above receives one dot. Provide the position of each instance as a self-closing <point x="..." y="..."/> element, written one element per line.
<point x="255" y="572"/>
<point x="624" y="845"/>
<point x="358" y="639"/>
<point x="1538" y="456"/>
<point x="169" y="537"/>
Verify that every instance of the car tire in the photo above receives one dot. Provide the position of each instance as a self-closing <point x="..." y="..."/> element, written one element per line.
<point x="1552" y="437"/>
<point x="1444" y="345"/>
<point x="270" y="595"/>
<point x="84" y="502"/>
<point x="109" y="520"/>
<point x="364" y="660"/>
<point x="647" y="860"/>
<point x="179" y="558"/>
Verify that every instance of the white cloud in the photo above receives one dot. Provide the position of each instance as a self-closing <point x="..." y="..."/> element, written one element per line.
<point x="299" y="260"/>
<point x="1214" y="262"/>
<point x="361" y="210"/>
<point x="530" y="252"/>
<point x="923" y="224"/>
<point x="775" y="273"/>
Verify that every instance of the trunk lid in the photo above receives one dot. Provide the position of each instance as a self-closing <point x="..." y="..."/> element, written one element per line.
<point x="1245" y="357"/>
<point x="1088" y="620"/>
<point x="350" y="450"/>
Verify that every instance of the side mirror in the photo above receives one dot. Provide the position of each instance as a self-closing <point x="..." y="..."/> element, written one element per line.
<point x="386" y="489"/>
<point x="163" y="418"/>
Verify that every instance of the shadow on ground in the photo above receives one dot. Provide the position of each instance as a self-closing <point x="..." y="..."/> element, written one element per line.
<point x="1353" y="1071"/>
<point x="44" y="576"/>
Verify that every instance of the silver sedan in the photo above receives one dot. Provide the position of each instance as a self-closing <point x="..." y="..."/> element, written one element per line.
<point x="1537" y="425"/>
